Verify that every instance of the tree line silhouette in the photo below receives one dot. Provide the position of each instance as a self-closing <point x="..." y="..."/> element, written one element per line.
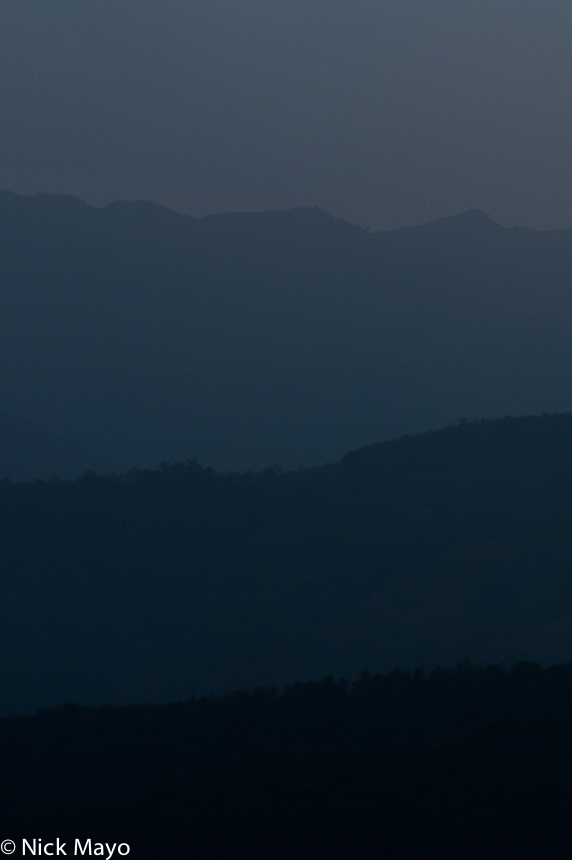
<point x="471" y="762"/>
<point x="160" y="584"/>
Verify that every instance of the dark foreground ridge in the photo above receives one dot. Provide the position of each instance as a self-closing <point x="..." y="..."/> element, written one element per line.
<point x="157" y="585"/>
<point x="471" y="763"/>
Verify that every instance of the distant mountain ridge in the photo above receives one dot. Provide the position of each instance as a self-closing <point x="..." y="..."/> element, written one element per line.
<point x="285" y="337"/>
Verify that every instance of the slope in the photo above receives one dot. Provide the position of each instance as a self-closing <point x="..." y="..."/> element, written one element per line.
<point x="154" y="586"/>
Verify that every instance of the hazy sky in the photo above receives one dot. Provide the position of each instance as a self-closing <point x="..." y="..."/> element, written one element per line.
<point x="385" y="112"/>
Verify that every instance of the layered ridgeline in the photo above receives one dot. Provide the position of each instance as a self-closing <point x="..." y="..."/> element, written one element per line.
<point x="159" y="585"/>
<point x="142" y="335"/>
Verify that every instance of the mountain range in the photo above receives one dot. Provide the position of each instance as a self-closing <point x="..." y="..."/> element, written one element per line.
<point x="135" y="335"/>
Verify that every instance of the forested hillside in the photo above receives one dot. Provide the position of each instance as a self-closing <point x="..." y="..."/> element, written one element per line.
<point x="157" y="585"/>
<point x="472" y="763"/>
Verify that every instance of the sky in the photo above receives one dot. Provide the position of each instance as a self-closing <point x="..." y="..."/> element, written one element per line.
<point x="387" y="113"/>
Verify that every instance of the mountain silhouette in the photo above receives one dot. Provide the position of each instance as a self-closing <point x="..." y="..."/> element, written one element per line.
<point x="159" y="585"/>
<point x="286" y="337"/>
